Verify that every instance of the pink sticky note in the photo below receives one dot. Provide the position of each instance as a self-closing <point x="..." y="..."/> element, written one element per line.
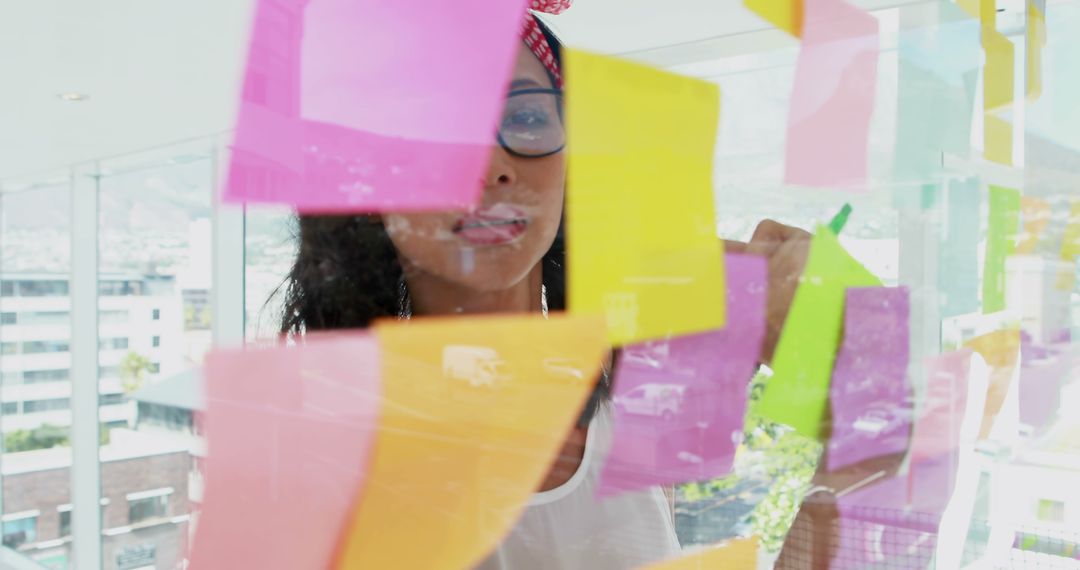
<point x="871" y="410"/>
<point x="935" y="445"/>
<point x="680" y="403"/>
<point x="833" y="96"/>
<point x="1043" y="371"/>
<point x="289" y="432"/>
<point x="372" y="106"/>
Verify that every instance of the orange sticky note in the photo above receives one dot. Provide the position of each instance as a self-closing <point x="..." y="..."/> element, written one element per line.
<point x="734" y="555"/>
<point x="474" y="411"/>
<point x="1035" y="214"/>
<point x="784" y="14"/>
<point x="1001" y="350"/>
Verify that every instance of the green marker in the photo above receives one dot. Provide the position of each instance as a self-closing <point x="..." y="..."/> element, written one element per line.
<point x="838" y="221"/>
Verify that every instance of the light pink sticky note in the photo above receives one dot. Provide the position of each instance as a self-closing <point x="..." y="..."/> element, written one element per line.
<point x="871" y="412"/>
<point x="379" y="105"/>
<point x="680" y="403"/>
<point x="935" y="446"/>
<point x="1044" y="369"/>
<point x="833" y="96"/>
<point x="289" y="431"/>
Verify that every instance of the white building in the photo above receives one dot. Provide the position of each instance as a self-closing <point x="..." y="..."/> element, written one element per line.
<point x="137" y="313"/>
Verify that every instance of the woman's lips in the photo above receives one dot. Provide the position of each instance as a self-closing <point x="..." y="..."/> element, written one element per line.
<point x="497" y="225"/>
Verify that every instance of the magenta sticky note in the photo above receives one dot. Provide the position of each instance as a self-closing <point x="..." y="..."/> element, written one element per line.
<point x="833" y="96"/>
<point x="870" y="393"/>
<point x="289" y="434"/>
<point x="680" y="403"/>
<point x="935" y="445"/>
<point x="372" y="106"/>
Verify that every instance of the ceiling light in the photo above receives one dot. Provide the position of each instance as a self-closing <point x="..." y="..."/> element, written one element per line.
<point x="73" y="96"/>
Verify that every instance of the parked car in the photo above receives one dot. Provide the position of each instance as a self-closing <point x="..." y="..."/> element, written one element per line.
<point x="663" y="401"/>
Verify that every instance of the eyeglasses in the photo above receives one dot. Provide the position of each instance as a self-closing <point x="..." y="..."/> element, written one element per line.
<point x="532" y="123"/>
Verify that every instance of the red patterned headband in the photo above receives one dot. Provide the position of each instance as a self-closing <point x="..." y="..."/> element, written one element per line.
<point x="534" y="36"/>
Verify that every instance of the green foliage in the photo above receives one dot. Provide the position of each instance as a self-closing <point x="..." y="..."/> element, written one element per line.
<point x="776" y="454"/>
<point x="133" y="369"/>
<point x="44" y="437"/>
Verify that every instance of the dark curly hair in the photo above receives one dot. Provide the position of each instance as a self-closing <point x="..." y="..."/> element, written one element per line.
<point x="347" y="275"/>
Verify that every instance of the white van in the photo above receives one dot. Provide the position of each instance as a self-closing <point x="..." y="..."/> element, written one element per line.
<point x="477" y="365"/>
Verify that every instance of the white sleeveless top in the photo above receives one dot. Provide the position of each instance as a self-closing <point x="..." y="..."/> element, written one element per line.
<point x="566" y="528"/>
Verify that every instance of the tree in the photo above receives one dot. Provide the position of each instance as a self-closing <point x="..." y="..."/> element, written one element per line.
<point x="781" y="456"/>
<point x="133" y="369"/>
<point x="42" y="437"/>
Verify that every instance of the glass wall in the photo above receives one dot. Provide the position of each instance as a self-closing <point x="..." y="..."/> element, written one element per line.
<point x="155" y="321"/>
<point x="161" y="233"/>
<point x="35" y="233"/>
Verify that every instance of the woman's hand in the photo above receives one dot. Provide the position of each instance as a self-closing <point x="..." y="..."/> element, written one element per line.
<point x="786" y="249"/>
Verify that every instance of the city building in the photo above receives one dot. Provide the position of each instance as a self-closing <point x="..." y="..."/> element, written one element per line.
<point x="138" y="314"/>
<point x="145" y="506"/>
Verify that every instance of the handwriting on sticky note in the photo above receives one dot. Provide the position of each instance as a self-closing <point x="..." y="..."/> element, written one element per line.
<point x="342" y="111"/>
<point x="639" y="208"/>
<point x="474" y="411"/>
<point x="289" y="433"/>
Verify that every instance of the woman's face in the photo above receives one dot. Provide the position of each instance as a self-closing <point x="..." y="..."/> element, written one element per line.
<point x="494" y="246"/>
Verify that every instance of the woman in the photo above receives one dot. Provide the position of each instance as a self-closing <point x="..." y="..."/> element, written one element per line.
<point x="507" y="256"/>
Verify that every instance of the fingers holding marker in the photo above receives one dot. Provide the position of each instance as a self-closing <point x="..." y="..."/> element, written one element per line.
<point x="786" y="248"/>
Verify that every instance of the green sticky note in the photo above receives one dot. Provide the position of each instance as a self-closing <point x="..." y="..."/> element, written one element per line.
<point x="1004" y="223"/>
<point x="798" y="392"/>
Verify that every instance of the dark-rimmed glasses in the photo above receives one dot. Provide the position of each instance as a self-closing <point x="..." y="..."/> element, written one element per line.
<point x="531" y="125"/>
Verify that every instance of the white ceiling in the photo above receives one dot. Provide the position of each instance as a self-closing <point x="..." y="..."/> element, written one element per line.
<point x="158" y="71"/>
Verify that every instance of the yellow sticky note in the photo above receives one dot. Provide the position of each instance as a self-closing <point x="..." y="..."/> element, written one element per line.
<point x="1035" y="41"/>
<point x="784" y="14"/>
<point x="473" y="412"/>
<point x="1070" y="243"/>
<point x="1003" y="222"/>
<point x="642" y="246"/>
<point x="734" y="555"/>
<point x="798" y="392"/>
<point x="1035" y="213"/>
<point x="983" y="10"/>
<point x="998" y="74"/>
<point x="997" y="139"/>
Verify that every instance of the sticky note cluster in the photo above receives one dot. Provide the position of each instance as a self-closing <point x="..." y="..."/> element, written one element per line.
<point x="436" y="430"/>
